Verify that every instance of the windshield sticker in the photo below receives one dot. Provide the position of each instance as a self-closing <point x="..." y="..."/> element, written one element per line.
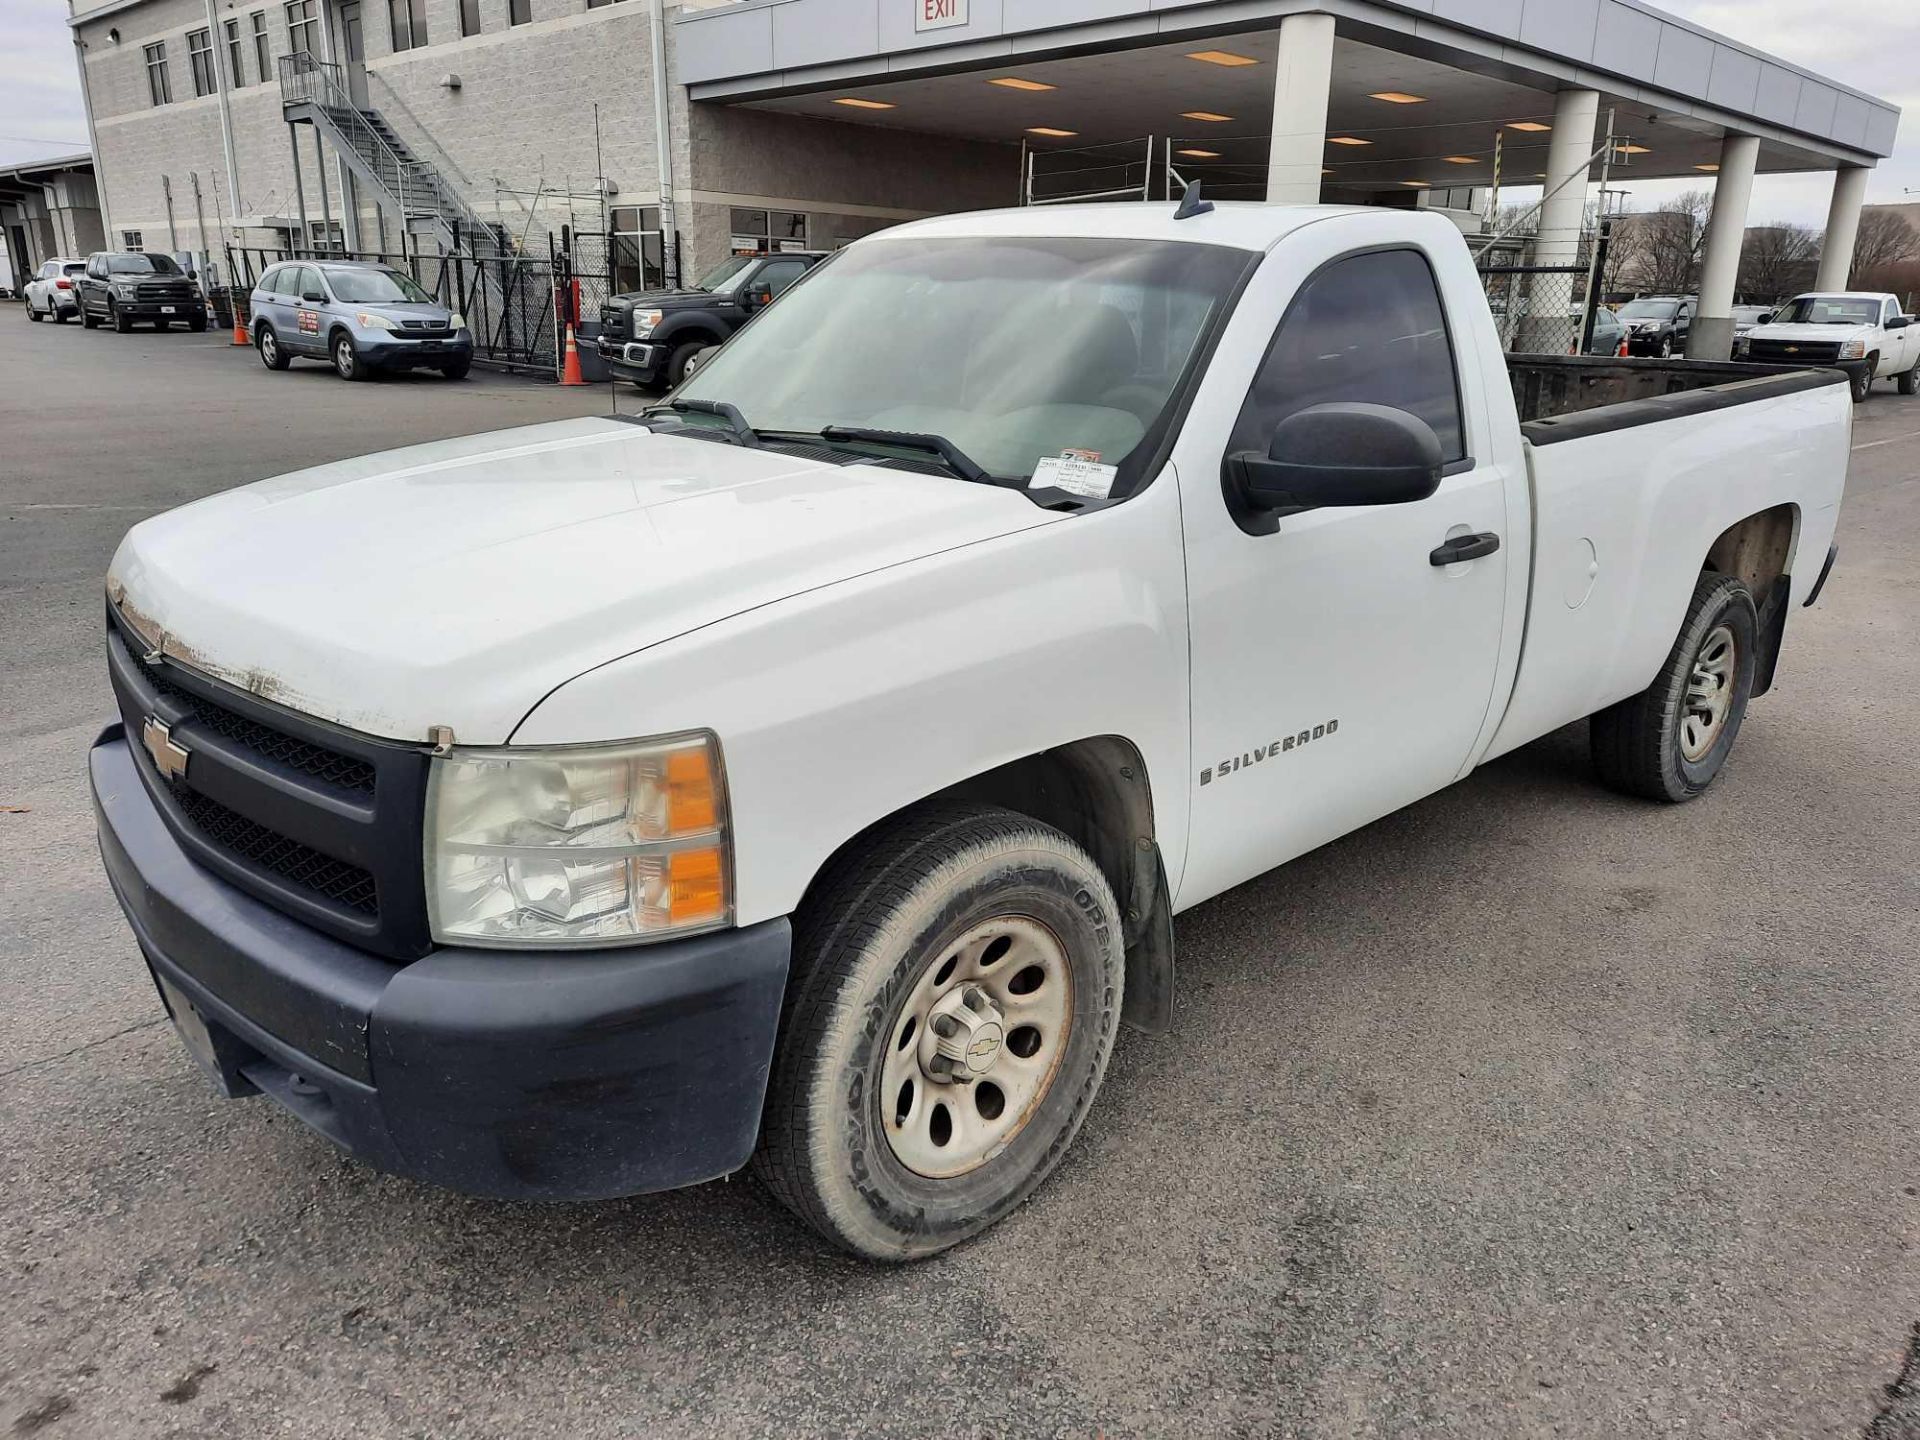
<point x="1075" y="475"/>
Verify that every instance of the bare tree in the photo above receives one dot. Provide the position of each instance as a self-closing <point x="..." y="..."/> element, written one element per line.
<point x="1658" y="251"/>
<point x="1776" y="261"/>
<point x="1886" y="239"/>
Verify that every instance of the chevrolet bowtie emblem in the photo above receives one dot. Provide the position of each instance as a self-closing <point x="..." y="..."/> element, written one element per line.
<point x="169" y="756"/>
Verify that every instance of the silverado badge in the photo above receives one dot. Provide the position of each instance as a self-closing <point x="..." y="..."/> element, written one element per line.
<point x="170" y="757"/>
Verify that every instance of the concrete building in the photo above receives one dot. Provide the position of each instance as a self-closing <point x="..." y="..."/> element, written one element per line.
<point x="762" y="122"/>
<point x="48" y="208"/>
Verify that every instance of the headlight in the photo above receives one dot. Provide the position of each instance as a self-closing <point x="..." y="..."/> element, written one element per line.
<point x="1854" y="350"/>
<point x="457" y="322"/>
<point x="643" y="323"/>
<point x="600" y="845"/>
<point x="1741" y="346"/>
<point x="125" y="289"/>
<point x="368" y="321"/>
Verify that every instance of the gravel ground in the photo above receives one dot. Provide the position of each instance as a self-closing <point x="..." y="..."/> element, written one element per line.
<point x="1527" y="1111"/>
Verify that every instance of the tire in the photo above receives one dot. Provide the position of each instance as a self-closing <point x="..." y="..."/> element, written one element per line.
<point x="34" y="315"/>
<point x="682" y="356"/>
<point x="915" y="915"/>
<point x="1863" y="379"/>
<point x="59" y="315"/>
<point x="88" y="320"/>
<point x="1666" y="347"/>
<point x="121" y="322"/>
<point x="347" y="363"/>
<point x="198" y="327"/>
<point x="1657" y="745"/>
<point x="1910" y="380"/>
<point x="271" y="355"/>
<point x="161" y="326"/>
<point x="458" y="369"/>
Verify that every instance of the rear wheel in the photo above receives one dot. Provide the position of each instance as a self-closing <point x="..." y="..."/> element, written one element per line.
<point x="160" y="325"/>
<point x="956" y="989"/>
<point x="88" y="320"/>
<point x="271" y="355"/>
<point x="59" y="315"/>
<point x="1910" y="380"/>
<point x="198" y="326"/>
<point x="1670" y="741"/>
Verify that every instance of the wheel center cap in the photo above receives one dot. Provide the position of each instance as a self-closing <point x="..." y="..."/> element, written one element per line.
<point x="965" y="1035"/>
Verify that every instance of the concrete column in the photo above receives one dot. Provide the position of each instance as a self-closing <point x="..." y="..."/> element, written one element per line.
<point x="1302" y="78"/>
<point x="1711" y="336"/>
<point x="1550" y="326"/>
<point x="1843" y="228"/>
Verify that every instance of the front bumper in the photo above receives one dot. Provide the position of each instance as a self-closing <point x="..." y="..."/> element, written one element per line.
<point x="635" y="360"/>
<point x="1649" y="344"/>
<point x="161" y="309"/>
<point x="414" y="354"/>
<point x="517" y="1074"/>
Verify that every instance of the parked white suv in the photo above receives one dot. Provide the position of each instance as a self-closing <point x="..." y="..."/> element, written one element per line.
<point x="1863" y="333"/>
<point x="52" y="294"/>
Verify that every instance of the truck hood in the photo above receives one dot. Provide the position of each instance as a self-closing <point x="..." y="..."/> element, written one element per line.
<point x="457" y="583"/>
<point x="1817" y="334"/>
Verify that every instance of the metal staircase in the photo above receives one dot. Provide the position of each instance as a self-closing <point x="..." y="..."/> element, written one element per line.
<point x="313" y="92"/>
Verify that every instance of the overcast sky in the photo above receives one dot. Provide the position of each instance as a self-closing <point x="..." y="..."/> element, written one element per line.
<point x="1872" y="45"/>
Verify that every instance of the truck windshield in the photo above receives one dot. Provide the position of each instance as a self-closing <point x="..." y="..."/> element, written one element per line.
<point x="376" y="287"/>
<point x="1828" y="310"/>
<point x="136" y="264"/>
<point x="724" y="276"/>
<point x="1011" y="348"/>
<point x="1649" y="309"/>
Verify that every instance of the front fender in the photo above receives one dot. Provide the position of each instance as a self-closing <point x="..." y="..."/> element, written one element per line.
<point x="840" y="706"/>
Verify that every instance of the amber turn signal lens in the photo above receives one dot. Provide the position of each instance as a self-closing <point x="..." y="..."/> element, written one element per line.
<point x="696" y="886"/>
<point x="690" y="799"/>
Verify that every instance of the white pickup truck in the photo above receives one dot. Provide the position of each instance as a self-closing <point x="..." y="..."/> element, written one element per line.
<point x="806" y="772"/>
<point x="1861" y="332"/>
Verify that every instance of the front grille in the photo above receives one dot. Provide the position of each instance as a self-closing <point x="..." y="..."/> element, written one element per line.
<point x="329" y="767"/>
<point x="613" y="321"/>
<point x="163" y="291"/>
<point x="322" y="823"/>
<point x="333" y="880"/>
<point x="1791" y="352"/>
<point x="429" y="327"/>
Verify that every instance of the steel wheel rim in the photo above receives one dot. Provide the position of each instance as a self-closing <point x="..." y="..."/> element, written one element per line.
<point x="343" y="359"/>
<point x="1709" y="693"/>
<point x="938" y="1126"/>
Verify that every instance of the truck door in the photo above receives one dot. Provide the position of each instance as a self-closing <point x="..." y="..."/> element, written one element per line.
<point x="1341" y="667"/>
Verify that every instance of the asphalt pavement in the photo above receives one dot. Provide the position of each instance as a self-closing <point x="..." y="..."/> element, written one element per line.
<point x="1528" y="1111"/>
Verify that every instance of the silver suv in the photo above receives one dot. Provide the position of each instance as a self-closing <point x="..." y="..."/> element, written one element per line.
<point x="363" y="317"/>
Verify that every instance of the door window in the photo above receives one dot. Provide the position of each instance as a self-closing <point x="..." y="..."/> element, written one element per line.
<point x="1369" y="329"/>
<point x="777" y="275"/>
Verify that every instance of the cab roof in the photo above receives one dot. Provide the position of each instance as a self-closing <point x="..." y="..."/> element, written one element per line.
<point x="1242" y="225"/>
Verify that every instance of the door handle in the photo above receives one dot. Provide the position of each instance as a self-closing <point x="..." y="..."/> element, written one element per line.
<point x="1465" y="547"/>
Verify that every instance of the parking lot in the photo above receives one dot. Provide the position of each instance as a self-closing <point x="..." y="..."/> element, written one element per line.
<point x="1529" y="1110"/>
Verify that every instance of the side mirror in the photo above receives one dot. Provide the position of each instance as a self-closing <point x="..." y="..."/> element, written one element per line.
<point x="314" y="297"/>
<point x="1899" y="322"/>
<point x="756" y="296"/>
<point x="1328" y="455"/>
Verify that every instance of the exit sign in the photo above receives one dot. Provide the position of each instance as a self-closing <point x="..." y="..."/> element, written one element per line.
<point x="938" y="14"/>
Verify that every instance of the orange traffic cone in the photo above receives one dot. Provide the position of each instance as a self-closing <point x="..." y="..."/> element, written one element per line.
<point x="240" y="336"/>
<point x="570" y="367"/>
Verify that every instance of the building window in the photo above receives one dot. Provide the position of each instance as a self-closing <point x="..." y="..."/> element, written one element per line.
<point x="408" y="21"/>
<point x="303" y="27"/>
<point x="596" y="4"/>
<point x="767" y="232"/>
<point x="327" y="235"/>
<point x="158" y="86"/>
<point x="469" y="17"/>
<point x="262" y="54"/>
<point x="130" y="240"/>
<point x="519" y="12"/>
<point x="236" y="54"/>
<point x="200" y="61"/>
<point x="637" y="249"/>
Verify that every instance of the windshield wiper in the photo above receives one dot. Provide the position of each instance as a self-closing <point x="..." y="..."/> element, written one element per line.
<point x="743" y="433"/>
<point x="957" y="460"/>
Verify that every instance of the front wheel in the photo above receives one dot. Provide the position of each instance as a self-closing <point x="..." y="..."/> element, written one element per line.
<point x="956" y="990"/>
<point x="122" y="323"/>
<point x="1863" y="379"/>
<point x="347" y="363"/>
<point x="34" y="315"/>
<point x="1666" y="347"/>
<point x="1670" y="741"/>
<point x="685" y="360"/>
<point x="457" y="369"/>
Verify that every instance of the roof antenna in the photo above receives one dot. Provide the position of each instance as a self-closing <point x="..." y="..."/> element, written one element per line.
<point x="1191" y="204"/>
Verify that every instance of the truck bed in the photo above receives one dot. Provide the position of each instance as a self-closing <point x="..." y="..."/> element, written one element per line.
<point x="1565" y="397"/>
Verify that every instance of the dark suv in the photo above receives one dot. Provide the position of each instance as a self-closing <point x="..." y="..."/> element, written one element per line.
<point x="122" y="288"/>
<point x="654" y="337"/>
<point x="1658" y="324"/>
